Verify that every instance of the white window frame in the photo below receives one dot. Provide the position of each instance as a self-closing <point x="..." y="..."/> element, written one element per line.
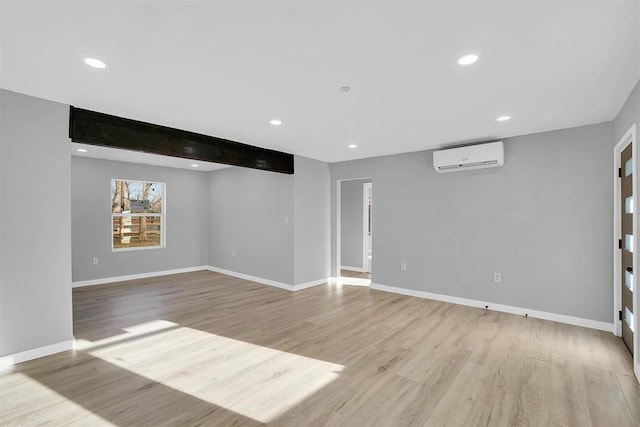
<point x="162" y="215"/>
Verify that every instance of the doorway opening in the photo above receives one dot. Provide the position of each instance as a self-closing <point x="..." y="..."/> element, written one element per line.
<point x="625" y="294"/>
<point x="355" y="231"/>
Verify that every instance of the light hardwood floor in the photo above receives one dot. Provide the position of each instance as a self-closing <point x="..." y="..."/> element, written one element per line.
<point x="207" y="349"/>
<point x="355" y="274"/>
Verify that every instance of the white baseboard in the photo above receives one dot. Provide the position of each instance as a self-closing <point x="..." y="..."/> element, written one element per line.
<point x="199" y="268"/>
<point x="311" y="284"/>
<point x="350" y="268"/>
<point x="252" y="278"/>
<point x="11" y="359"/>
<point x="136" y="276"/>
<point x="636" y="371"/>
<point x="270" y="282"/>
<point x="577" y="321"/>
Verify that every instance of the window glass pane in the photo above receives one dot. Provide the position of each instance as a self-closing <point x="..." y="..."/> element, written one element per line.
<point x="628" y="318"/>
<point x="628" y="242"/>
<point x="135" y="231"/>
<point x="136" y="196"/>
<point x="116" y="206"/>
<point x="628" y="205"/>
<point x="628" y="280"/>
<point x="628" y="167"/>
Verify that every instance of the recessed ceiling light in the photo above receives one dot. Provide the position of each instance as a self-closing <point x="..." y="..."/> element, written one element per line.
<point x="503" y="118"/>
<point x="345" y="89"/>
<point x="82" y="150"/>
<point x="276" y="122"/>
<point x="95" y="63"/>
<point x="352" y="146"/>
<point x="468" y="59"/>
<point x="194" y="165"/>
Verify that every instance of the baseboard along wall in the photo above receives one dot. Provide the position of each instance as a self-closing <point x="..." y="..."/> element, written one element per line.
<point x="269" y="282"/>
<point x="571" y="320"/>
<point x="115" y="279"/>
<point x="35" y="353"/>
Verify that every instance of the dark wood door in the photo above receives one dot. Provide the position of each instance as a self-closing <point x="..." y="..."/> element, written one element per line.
<point x="626" y="258"/>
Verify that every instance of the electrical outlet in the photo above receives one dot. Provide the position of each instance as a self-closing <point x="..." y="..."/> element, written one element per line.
<point x="96" y="260"/>
<point x="403" y="266"/>
<point x="497" y="277"/>
<point x="233" y="252"/>
<point x="286" y="219"/>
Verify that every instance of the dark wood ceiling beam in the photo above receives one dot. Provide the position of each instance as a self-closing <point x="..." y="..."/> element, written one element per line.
<point x="90" y="127"/>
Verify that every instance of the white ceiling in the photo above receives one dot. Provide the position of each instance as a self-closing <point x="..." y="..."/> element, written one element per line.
<point x="226" y="67"/>
<point x="108" y="153"/>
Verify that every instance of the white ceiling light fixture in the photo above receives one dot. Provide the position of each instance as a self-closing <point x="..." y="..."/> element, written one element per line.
<point x="95" y="63"/>
<point x="194" y="165"/>
<point x="468" y="59"/>
<point x="82" y="150"/>
<point x="275" y="122"/>
<point x="503" y="118"/>
<point x="353" y="146"/>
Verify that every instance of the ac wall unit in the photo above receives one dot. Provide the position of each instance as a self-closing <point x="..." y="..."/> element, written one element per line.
<point x="490" y="155"/>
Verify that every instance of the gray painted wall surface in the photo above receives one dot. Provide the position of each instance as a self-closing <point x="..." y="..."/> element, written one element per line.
<point x="248" y="212"/>
<point x="628" y="115"/>
<point x="187" y="193"/>
<point x="351" y="223"/>
<point x="544" y="221"/>
<point x="35" y="226"/>
<point x="312" y="222"/>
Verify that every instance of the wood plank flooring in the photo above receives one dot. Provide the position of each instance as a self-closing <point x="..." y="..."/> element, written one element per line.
<point x="355" y="274"/>
<point x="207" y="349"/>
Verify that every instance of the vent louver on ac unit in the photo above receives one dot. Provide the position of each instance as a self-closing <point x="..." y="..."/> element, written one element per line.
<point x="479" y="156"/>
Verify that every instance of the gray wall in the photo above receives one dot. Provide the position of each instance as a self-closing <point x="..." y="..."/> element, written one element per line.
<point x="628" y="115"/>
<point x="544" y="221"/>
<point x="35" y="226"/>
<point x="312" y="222"/>
<point x="251" y="213"/>
<point x="351" y="223"/>
<point x="187" y="193"/>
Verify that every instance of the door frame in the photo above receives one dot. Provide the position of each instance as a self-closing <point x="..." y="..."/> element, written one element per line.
<point x="366" y="188"/>
<point x="629" y="137"/>
<point x="338" y="235"/>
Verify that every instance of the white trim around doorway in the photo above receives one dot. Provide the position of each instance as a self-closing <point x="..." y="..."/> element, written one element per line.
<point x="629" y="137"/>
<point x="366" y="190"/>
<point x="338" y="236"/>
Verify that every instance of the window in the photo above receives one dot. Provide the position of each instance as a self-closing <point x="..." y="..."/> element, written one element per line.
<point x="137" y="214"/>
<point x="628" y="318"/>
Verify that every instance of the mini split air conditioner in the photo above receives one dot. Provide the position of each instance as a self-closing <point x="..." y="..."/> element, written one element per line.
<point x="479" y="156"/>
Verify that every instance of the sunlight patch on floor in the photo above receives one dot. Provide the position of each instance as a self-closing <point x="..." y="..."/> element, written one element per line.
<point x="258" y="382"/>
<point x="130" y="332"/>
<point x="20" y="394"/>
